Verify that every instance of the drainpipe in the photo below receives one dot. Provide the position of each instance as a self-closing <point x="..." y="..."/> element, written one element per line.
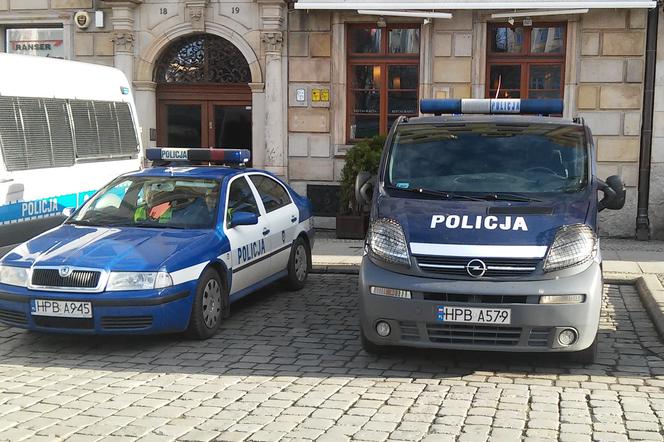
<point x="642" y="220"/>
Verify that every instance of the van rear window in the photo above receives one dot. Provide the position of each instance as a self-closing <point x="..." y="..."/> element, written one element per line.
<point x="489" y="157"/>
<point x="50" y="132"/>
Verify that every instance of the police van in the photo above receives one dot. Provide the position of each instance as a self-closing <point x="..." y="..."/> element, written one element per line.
<point x="66" y="129"/>
<point x="483" y="231"/>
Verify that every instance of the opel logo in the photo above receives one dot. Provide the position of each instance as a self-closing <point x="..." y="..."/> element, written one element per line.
<point x="64" y="271"/>
<point x="476" y="268"/>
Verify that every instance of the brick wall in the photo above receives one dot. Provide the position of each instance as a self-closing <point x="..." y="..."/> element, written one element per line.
<point x="610" y="95"/>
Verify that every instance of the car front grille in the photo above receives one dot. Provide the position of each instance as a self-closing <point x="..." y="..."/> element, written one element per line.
<point x="80" y="279"/>
<point x="495" y="267"/>
<point x="473" y="334"/>
<point x="56" y="322"/>
<point x="125" y="322"/>
<point x="13" y="317"/>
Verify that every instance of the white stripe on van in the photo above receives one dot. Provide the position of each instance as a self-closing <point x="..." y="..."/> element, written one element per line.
<point x="478" y="250"/>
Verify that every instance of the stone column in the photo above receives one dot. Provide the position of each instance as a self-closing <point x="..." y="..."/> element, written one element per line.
<point x="274" y="116"/>
<point x="146" y="108"/>
<point x="123" y="35"/>
<point x="258" y="124"/>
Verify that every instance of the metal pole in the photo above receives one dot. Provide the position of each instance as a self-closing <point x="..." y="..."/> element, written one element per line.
<point x="642" y="220"/>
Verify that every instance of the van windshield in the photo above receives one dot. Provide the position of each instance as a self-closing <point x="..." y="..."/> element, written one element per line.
<point x="489" y="157"/>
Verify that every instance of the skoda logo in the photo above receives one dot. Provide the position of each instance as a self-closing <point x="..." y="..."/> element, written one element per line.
<point x="476" y="268"/>
<point x="64" y="271"/>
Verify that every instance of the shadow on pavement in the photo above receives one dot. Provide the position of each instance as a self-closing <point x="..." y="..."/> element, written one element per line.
<point x="314" y="333"/>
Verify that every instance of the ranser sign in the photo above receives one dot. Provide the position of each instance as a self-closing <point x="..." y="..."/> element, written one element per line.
<point x="46" y="42"/>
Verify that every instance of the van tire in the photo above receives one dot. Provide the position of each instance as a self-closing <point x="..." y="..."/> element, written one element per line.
<point x="210" y="306"/>
<point x="370" y="347"/>
<point x="299" y="265"/>
<point x="586" y="356"/>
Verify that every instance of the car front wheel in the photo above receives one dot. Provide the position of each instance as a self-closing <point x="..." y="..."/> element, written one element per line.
<point x="209" y="306"/>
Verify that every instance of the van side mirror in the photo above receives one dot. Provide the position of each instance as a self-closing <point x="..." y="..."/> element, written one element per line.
<point x="614" y="193"/>
<point x="68" y="211"/>
<point x="364" y="183"/>
<point x="243" y="219"/>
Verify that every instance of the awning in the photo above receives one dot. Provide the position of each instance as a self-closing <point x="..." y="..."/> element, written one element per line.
<point x="473" y="4"/>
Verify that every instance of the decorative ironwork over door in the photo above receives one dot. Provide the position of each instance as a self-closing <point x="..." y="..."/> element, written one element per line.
<point x="202" y="58"/>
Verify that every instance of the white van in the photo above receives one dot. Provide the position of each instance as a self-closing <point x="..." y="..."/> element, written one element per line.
<point x="66" y="129"/>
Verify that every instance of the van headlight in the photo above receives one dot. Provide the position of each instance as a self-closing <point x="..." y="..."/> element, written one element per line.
<point x="386" y="240"/>
<point x="138" y="281"/>
<point x="573" y="245"/>
<point x="14" y="275"/>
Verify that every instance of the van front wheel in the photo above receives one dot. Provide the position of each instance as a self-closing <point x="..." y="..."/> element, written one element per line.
<point x="587" y="356"/>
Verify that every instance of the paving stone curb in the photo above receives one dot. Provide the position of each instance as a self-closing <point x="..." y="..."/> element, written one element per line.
<point x="650" y="290"/>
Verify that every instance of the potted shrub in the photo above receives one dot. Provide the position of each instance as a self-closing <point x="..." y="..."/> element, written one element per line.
<point x="353" y="219"/>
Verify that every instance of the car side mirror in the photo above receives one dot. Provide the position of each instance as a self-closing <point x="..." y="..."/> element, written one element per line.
<point x="364" y="183"/>
<point x="243" y="219"/>
<point x="614" y="193"/>
<point x="68" y="211"/>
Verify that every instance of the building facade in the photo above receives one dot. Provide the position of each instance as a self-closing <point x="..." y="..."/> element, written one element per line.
<point x="300" y="83"/>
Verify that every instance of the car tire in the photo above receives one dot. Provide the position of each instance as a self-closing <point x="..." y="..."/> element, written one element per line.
<point x="299" y="265"/>
<point x="210" y="305"/>
<point x="587" y="356"/>
<point x="370" y="347"/>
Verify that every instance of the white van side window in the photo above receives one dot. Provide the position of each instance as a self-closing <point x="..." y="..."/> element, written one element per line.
<point x="103" y="128"/>
<point x="48" y="132"/>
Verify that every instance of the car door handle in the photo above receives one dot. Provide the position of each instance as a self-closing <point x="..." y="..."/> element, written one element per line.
<point x="293" y="219"/>
<point x="266" y="231"/>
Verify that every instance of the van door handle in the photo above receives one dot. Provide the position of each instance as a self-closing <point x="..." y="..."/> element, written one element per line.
<point x="6" y="180"/>
<point x="293" y="219"/>
<point x="266" y="231"/>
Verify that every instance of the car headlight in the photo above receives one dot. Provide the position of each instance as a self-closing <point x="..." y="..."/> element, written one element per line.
<point x="387" y="241"/>
<point x="138" y="281"/>
<point x="573" y="245"/>
<point x="14" y="275"/>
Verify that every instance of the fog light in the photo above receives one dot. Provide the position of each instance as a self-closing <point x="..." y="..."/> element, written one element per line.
<point x="567" y="337"/>
<point x="395" y="293"/>
<point x="383" y="329"/>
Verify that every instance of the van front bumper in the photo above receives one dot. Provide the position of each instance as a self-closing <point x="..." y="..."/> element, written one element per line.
<point x="534" y="327"/>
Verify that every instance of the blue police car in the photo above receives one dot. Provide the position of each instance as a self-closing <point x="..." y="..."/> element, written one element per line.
<point x="165" y="249"/>
<point x="483" y="231"/>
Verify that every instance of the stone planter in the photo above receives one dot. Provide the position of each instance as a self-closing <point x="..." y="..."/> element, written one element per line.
<point x="352" y="226"/>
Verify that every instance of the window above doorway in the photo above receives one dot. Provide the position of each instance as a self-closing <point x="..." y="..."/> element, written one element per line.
<point x="202" y="58"/>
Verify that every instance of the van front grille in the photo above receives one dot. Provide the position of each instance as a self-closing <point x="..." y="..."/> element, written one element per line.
<point x="480" y="299"/>
<point x="495" y="267"/>
<point x="473" y="334"/>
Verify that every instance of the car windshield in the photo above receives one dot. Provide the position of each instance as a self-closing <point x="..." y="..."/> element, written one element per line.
<point x="489" y="158"/>
<point x="155" y="202"/>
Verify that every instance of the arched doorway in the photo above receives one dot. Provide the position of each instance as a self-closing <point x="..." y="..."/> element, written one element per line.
<point x="203" y="95"/>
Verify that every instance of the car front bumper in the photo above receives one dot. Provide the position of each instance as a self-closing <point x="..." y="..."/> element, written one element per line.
<point x="534" y="327"/>
<point x="131" y="312"/>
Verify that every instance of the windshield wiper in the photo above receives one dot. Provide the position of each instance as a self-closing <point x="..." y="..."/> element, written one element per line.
<point x="84" y="222"/>
<point x="438" y="193"/>
<point x="509" y="197"/>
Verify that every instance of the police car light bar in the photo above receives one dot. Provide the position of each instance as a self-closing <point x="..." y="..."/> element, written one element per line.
<point x="212" y="155"/>
<point x="492" y="106"/>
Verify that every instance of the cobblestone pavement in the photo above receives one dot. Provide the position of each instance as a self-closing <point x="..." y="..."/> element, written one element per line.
<point x="288" y="366"/>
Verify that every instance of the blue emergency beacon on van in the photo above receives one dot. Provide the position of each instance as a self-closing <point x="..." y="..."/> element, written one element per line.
<point x="483" y="231"/>
<point x="166" y="249"/>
